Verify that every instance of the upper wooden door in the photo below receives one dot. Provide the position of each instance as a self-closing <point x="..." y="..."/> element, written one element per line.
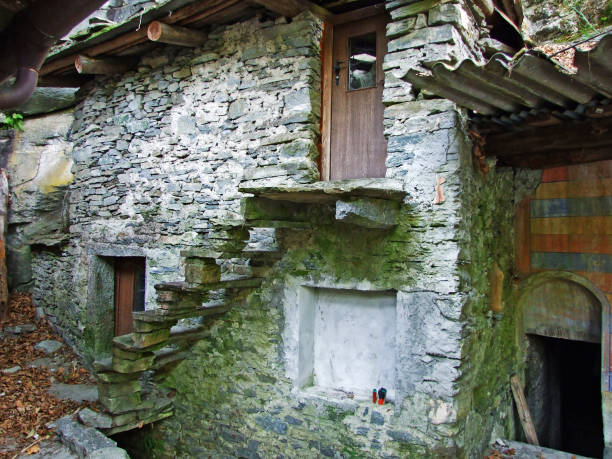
<point x="129" y="292"/>
<point x="358" y="148"/>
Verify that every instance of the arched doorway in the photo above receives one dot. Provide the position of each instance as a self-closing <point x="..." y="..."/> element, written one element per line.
<point x="565" y="332"/>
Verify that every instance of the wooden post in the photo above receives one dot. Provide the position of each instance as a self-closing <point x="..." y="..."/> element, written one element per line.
<point x="523" y="410"/>
<point x="104" y="65"/>
<point x="175" y="35"/>
<point x="4" y="205"/>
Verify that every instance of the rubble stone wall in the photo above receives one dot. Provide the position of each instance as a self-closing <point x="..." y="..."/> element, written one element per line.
<point x="159" y="154"/>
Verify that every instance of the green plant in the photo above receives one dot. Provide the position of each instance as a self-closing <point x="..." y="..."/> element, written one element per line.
<point x="12" y="121"/>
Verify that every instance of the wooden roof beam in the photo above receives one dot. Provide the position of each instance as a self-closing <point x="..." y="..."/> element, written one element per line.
<point x="175" y="35"/>
<point x="292" y="8"/>
<point x="103" y="66"/>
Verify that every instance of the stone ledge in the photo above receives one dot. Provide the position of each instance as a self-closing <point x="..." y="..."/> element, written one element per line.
<point x="185" y="287"/>
<point x="327" y="192"/>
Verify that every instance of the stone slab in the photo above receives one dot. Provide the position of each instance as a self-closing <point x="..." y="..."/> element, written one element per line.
<point x="325" y="192"/>
<point x="74" y="392"/>
<point x="109" y="453"/>
<point x="368" y="212"/>
<point x="83" y="440"/>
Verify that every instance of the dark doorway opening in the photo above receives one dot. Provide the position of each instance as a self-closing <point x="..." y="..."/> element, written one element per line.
<point x="564" y="394"/>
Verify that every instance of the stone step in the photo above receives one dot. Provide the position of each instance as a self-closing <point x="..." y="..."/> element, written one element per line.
<point x="154" y="407"/>
<point x="171" y="316"/>
<point x="81" y="439"/>
<point x="184" y="287"/>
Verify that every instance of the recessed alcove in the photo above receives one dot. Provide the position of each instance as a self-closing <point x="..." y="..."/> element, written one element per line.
<point x="340" y="341"/>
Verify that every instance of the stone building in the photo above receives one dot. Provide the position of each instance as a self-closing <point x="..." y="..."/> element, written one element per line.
<point x="330" y="203"/>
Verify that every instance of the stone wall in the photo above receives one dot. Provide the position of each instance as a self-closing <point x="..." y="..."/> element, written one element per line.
<point x="159" y="154"/>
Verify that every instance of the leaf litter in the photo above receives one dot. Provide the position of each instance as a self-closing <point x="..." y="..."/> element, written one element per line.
<point x="25" y="404"/>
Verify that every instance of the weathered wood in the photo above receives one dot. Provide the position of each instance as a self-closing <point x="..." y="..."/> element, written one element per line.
<point x="361" y="13"/>
<point x="291" y="8"/>
<point x="486" y="6"/>
<point x="560" y="158"/>
<point x="175" y="35"/>
<point x="4" y="207"/>
<point x="523" y="410"/>
<point x="327" y="66"/>
<point x="568" y="136"/>
<point x="195" y="12"/>
<point x="103" y="66"/>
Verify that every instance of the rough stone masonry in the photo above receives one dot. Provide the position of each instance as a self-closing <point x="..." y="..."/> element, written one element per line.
<point x="158" y="157"/>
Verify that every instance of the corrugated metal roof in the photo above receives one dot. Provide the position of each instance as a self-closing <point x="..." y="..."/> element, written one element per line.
<point x="512" y="91"/>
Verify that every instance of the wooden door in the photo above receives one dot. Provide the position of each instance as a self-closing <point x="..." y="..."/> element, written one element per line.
<point x="129" y="292"/>
<point x="358" y="148"/>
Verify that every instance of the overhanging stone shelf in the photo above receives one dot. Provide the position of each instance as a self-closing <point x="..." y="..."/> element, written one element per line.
<point x="327" y="192"/>
<point x="370" y="203"/>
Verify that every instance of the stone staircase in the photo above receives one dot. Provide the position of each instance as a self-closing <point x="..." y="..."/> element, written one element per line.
<point x="127" y="381"/>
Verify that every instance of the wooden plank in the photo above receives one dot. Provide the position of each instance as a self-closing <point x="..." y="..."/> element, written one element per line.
<point x="584" y="262"/>
<point x="577" y="243"/>
<point x="571" y="225"/>
<point x="572" y="207"/>
<point x="291" y="8"/>
<point x="361" y="13"/>
<point x="522" y="261"/>
<point x="555" y="174"/>
<point x="327" y="82"/>
<point x="568" y="136"/>
<point x="609" y="297"/>
<point x="523" y="410"/>
<point x="575" y="189"/>
<point x="591" y="171"/>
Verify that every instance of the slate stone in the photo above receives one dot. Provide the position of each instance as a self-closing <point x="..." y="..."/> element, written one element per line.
<point x="369" y="213"/>
<point x="83" y="440"/>
<point x="11" y="370"/>
<point x="109" y="453"/>
<point x="49" y="346"/>
<point x="95" y="419"/>
<point x="74" y="392"/>
<point x="377" y="418"/>
<point x="272" y="424"/>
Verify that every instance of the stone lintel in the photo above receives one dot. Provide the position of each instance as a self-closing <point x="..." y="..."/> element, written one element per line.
<point x="368" y="212"/>
<point x="328" y="192"/>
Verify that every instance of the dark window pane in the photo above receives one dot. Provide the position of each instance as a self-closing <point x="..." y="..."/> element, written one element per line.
<point x="139" y="286"/>
<point x="362" y="61"/>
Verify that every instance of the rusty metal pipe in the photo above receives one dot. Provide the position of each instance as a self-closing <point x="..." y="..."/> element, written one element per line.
<point x="29" y="37"/>
<point x="21" y="91"/>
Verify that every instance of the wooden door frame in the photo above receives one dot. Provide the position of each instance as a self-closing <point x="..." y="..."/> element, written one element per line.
<point x="328" y="77"/>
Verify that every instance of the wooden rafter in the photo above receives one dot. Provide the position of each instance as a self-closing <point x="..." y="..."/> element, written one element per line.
<point x="195" y="13"/>
<point x="175" y="35"/>
<point x="103" y="66"/>
<point x="565" y="143"/>
<point x="291" y="8"/>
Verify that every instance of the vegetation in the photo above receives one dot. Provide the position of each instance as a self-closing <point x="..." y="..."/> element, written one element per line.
<point x="12" y="121"/>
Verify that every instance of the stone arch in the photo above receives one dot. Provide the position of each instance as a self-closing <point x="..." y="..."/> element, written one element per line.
<point x="561" y="304"/>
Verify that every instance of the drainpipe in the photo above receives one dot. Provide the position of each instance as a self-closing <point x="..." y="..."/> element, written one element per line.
<point x="29" y="37"/>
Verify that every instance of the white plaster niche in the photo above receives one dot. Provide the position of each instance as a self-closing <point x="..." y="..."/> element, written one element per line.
<point x="340" y="340"/>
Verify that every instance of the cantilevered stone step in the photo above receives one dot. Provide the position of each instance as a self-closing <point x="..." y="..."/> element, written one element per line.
<point x="155" y="406"/>
<point x="185" y="287"/>
<point x="171" y="316"/>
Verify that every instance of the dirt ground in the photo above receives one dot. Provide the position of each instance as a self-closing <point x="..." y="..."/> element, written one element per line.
<point x="26" y="373"/>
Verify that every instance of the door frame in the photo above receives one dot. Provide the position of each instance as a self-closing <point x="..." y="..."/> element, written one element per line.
<point x="327" y="79"/>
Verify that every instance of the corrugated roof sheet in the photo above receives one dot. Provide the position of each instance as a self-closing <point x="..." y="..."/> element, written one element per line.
<point x="511" y="91"/>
